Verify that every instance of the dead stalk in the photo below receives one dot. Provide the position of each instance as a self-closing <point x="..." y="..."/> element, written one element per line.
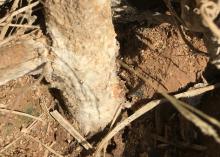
<point x="45" y="146"/>
<point x="64" y="123"/>
<point x="20" y="114"/>
<point x="147" y="107"/>
<point x="20" y="135"/>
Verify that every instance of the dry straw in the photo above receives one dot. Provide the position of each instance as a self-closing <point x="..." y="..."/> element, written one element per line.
<point x="65" y="124"/>
<point x="206" y="128"/>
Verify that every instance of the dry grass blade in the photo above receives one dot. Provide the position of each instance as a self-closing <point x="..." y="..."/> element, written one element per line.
<point x="63" y="122"/>
<point x="47" y="147"/>
<point x="46" y="153"/>
<point x="126" y="122"/>
<point x="6" y="40"/>
<point x="19" y="11"/>
<point x="147" y="107"/>
<point x="9" y="20"/>
<point x="20" y="136"/>
<point x="117" y="113"/>
<point x="209" y="11"/>
<point x="20" y="25"/>
<point x="201" y="114"/>
<point x="10" y="144"/>
<point x="20" y="114"/>
<point x="10" y="17"/>
<point x="201" y="124"/>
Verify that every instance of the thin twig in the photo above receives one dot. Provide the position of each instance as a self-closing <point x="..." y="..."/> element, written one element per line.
<point x="20" y="136"/>
<point x="19" y="25"/>
<point x="15" y="5"/>
<point x="16" y="37"/>
<point x="64" y="123"/>
<point x="5" y="28"/>
<point x="46" y="153"/>
<point x="20" y="114"/>
<point x="203" y="115"/>
<point x="207" y="19"/>
<point x="116" y="115"/>
<point x="189" y="114"/>
<point x="11" y="144"/>
<point x="149" y="106"/>
<point x="20" y="11"/>
<point x="47" y="147"/>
